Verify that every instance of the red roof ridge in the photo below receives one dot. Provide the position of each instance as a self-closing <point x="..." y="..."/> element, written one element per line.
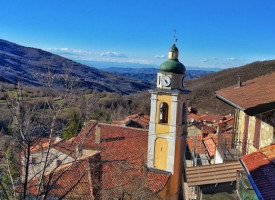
<point x="85" y="157"/>
<point x="128" y="127"/>
<point x="253" y="97"/>
<point x="159" y="171"/>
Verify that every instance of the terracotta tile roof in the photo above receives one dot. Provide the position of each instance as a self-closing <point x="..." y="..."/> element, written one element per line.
<point x="261" y="166"/>
<point x="211" y="118"/>
<point x="157" y="179"/>
<point x="64" y="146"/>
<point x="72" y="178"/>
<point x="210" y="146"/>
<point x="42" y="143"/>
<point x="205" y="127"/>
<point x="193" y="116"/>
<point x="254" y="96"/>
<point x="225" y="126"/>
<point x="196" y="141"/>
<point x="123" y="153"/>
<point x="140" y="118"/>
<point x="190" y="143"/>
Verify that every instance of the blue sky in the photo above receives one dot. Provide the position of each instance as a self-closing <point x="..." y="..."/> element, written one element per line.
<point x="211" y="33"/>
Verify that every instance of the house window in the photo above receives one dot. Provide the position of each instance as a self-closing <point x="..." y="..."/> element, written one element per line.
<point x="163" y="113"/>
<point x="58" y="163"/>
<point x="33" y="160"/>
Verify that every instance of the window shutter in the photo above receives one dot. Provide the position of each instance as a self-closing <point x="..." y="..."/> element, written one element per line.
<point x="256" y="141"/>
<point x="245" y="134"/>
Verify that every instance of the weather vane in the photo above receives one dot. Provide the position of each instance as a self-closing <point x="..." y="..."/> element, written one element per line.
<point x="175" y="38"/>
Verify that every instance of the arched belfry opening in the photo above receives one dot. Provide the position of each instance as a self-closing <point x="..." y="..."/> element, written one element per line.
<point x="163" y="113"/>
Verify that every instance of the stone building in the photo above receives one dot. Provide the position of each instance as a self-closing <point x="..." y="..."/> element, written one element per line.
<point x="254" y="103"/>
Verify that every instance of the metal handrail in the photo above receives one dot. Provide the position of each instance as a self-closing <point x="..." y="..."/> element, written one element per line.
<point x="232" y="149"/>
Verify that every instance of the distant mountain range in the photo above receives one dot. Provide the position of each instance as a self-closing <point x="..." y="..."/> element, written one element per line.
<point x="149" y="74"/>
<point x="105" y="65"/>
<point x="31" y="66"/>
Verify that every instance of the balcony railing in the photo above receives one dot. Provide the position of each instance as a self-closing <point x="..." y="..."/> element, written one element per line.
<point x="232" y="149"/>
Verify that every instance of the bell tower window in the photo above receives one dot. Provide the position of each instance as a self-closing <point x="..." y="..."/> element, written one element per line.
<point x="183" y="113"/>
<point x="163" y="113"/>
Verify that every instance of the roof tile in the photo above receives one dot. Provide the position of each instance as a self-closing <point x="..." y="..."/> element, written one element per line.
<point x="252" y="93"/>
<point x="262" y="169"/>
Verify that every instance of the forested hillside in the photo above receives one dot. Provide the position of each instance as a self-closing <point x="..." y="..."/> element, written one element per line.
<point x="31" y="66"/>
<point x="203" y="89"/>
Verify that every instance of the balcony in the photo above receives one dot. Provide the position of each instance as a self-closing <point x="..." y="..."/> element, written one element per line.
<point x="231" y="148"/>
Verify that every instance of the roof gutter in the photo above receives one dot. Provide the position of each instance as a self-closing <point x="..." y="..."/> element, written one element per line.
<point x="229" y="102"/>
<point x="255" y="188"/>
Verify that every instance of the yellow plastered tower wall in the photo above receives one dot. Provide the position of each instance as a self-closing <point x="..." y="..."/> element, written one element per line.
<point x="168" y="122"/>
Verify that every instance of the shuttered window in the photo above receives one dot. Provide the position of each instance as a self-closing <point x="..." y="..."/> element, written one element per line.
<point x="256" y="141"/>
<point x="245" y="134"/>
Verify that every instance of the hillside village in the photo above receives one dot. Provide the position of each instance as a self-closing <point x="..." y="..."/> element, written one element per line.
<point x="175" y="153"/>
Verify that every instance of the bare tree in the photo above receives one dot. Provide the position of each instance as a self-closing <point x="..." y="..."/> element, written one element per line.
<point x="35" y="121"/>
<point x="34" y="125"/>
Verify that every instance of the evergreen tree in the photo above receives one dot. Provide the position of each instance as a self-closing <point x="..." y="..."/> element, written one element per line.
<point x="73" y="127"/>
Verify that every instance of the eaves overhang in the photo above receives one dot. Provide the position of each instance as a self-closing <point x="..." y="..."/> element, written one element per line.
<point x="262" y="108"/>
<point x="252" y="111"/>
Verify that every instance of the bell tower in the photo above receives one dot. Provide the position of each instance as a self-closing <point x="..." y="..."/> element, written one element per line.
<point x="168" y="121"/>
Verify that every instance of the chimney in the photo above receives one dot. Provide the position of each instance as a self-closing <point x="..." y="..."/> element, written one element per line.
<point x="98" y="134"/>
<point x="95" y="175"/>
<point x="239" y="81"/>
<point x="218" y="129"/>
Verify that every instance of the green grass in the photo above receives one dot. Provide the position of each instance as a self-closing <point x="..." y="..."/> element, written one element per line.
<point x="88" y="95"/>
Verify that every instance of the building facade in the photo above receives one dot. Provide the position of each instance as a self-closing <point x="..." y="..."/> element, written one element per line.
<point x="254" y="103"/>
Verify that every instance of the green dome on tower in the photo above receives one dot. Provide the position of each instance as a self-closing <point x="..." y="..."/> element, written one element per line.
<point x="174" y="48"/>
<point x="172" y="65"/>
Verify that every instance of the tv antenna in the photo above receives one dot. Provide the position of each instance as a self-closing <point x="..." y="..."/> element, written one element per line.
<point x="175" y="37"/>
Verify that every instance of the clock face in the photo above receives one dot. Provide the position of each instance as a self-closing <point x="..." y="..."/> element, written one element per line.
<point x="183" y="82"/>
<point x="166" y="81"/>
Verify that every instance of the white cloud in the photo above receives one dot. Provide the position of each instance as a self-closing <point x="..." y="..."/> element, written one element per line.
<point x="223" y="62"/>
<point x="231" y="59"/>
<point x="159" y="56"/>
<point x="113" y="54"/>
<point x="206" y="60"/>
<point x="65" y="50"/>
<point x="106" y="56"/>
